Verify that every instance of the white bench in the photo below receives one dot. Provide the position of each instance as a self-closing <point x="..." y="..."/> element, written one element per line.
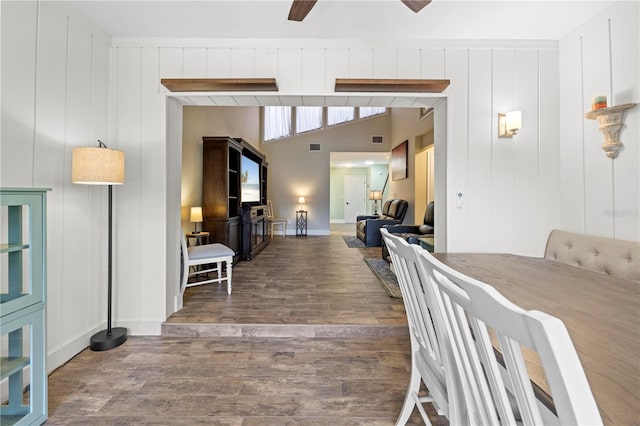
<point x="617" y="258"/>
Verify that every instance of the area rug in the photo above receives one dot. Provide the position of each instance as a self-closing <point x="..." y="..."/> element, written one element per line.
<point x="385" y="276"/>
<point x="353" y="242"/>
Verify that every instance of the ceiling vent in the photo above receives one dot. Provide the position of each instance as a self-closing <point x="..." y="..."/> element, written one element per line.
<point x="377" y="139"/>
<point x="314" y="147"/>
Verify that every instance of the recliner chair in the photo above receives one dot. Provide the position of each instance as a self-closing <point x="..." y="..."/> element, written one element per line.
<point x="411" y="233"/>
<point x="368" y="226"/>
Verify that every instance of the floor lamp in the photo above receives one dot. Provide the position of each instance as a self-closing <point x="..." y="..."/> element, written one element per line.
<point x="102" y="166"/>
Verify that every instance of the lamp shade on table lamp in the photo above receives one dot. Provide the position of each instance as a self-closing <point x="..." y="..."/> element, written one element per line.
<point x="195" y="216"/>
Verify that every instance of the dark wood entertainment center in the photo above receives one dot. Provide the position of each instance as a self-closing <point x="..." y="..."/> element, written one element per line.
<point x="239" y="224"/>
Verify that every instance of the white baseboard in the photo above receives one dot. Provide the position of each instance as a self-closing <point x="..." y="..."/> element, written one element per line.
<point x="178" y="303"/>
<point x="141" y="328"/>
<point x="63" y="354"/>
<point x="337" y="221"/>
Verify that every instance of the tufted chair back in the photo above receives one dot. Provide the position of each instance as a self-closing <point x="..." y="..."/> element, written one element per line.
<point x="617" y="258"/>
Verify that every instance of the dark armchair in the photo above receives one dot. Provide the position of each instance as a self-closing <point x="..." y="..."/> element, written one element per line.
<point x="411" y="233"/>
<point x="368" y="227"/>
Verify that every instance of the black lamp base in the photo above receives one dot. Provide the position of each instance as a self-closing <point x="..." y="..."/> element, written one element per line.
<point x="103" y="342"/>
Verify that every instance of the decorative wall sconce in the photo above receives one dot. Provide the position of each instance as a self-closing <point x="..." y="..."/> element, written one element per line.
<point x="610" y="121"/>
<point x="195" y="217"/>
<point x="509" y="123"/>
<point x="375" y="195"/>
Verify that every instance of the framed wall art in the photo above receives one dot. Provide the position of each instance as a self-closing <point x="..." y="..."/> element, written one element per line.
<point x="399" y="161"/>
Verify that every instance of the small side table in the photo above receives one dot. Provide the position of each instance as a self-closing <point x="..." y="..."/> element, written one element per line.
<point x="200" y="237"/>
<point x="301" y="223"/>
<point x="427" y="243"/>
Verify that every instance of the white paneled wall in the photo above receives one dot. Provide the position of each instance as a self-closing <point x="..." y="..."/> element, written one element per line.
<point x="55" y="96"/>
<point x="600" y="196"/>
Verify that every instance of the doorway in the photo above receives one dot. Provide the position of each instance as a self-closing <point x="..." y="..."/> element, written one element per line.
<point x="174" y="143"/>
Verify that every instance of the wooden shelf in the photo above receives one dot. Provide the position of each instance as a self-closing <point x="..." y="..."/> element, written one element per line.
<point x="390" y="85"/>
<point x="610" y="121"/>
<point x="220" y="84"/>
<point x="591" y="115"/>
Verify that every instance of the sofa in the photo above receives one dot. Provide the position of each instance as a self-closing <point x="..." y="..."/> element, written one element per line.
<point x="411" y="233"/>
<point x="368" y="226"/>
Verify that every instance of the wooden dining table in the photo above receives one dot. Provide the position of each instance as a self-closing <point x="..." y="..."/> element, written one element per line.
<point x="601" y="313"/>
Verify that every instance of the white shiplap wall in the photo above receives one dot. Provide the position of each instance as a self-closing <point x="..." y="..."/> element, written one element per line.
<point x="55" y="96"/>
<point x="601" y="196"/>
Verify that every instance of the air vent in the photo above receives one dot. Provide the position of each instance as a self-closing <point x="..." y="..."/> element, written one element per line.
<point x="314" y="147"/>
<point x="376" y="139"/>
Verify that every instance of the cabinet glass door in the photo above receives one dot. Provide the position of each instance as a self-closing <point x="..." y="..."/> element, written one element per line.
<point x="21" y="252"/>
<point x="22" y="373"/>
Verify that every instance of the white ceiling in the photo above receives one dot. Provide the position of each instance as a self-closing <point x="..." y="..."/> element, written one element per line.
<point x="359" y="19"/>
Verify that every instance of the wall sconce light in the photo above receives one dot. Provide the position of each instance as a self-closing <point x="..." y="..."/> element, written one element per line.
<point x="509" y="123"/>
<point x="301" y="202"/>
<point x="195" y="217"/>
<point x="375" y="195"/>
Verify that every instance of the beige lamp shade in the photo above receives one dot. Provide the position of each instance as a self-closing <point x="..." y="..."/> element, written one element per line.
<point x="196" y="214"/>
<point x="301" y="200"/>
<point x="97" y="166"/>
<point x="375" y="194"/>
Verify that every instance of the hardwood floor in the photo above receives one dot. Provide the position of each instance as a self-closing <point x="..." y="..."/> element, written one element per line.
<point x="308" y="337"/>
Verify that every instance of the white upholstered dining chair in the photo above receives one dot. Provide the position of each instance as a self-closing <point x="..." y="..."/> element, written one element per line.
<point x="427" y="364"/>
<point x="492" y="342"/>
<point x="275" y="221"/>
<point x="204" y="259"/>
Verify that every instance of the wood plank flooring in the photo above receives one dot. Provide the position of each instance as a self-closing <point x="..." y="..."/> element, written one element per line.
<point x="308" y="337"/>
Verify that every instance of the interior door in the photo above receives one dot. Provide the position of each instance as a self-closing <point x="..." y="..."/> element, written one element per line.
<point x="424" y="183"/>
<point x="355" y="197"/>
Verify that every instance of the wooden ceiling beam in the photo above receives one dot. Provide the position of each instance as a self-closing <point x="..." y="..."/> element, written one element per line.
<point x="220" y="84"/>
<point x="390" y="85"/>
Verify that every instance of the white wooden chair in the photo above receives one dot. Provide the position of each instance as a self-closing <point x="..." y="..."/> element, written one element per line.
<point x="207" y="254"/>
<point x="282" y="223"/>
<point x="493" y="386"/>
<point x="426" y="357"/>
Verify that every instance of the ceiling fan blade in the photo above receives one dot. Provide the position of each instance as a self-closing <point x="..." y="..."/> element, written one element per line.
<point x="300" y="9"/>
<point x="416" y="5"/>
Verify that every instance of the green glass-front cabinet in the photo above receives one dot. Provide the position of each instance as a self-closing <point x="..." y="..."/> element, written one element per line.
<point x="23" y="375"/>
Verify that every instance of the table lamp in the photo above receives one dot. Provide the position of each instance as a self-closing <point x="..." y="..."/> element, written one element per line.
<point x="301" y="202"/>
<point x="102" y="166"/>
<point x="375" y="195"/>
<point x="195" y="217"/>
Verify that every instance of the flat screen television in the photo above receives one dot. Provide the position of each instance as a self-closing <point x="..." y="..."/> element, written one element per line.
<point x="249" y="180"/>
